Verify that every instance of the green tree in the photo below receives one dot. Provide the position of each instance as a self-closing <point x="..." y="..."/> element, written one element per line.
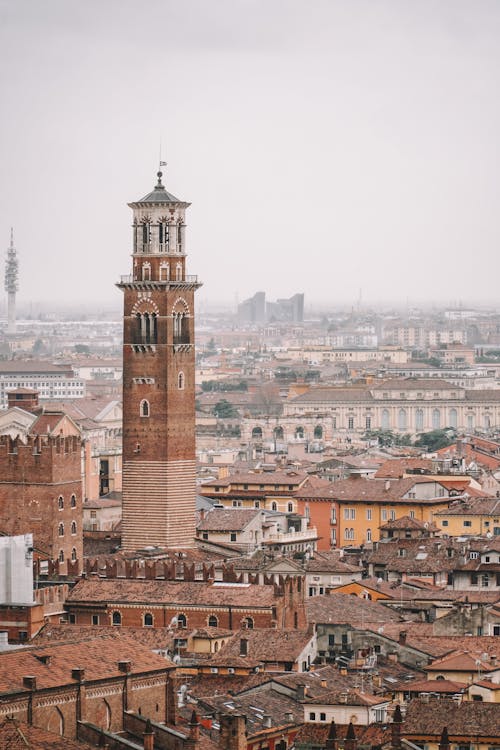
<point x="223" y="409"/>
<point x="436" y="439"/>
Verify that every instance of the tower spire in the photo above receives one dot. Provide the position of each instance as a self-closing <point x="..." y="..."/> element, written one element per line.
<point x="11" y="284"/>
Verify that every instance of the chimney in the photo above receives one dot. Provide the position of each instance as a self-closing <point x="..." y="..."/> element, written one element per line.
<point x="331" y="740"/>
<point x="402" y="638"/>
<point x="148" y="737"/>
<point x="444" y="742"/>
<point x="323" y="683"/>
<point x="301" y="692"/>
<point x="125" y="666"/>
<point x="29" y="681"/>
<point x="243" y="646"/>
<point x="350" y="742"/>
<point x="266" y="721"/>
<point x="387" y="485"/>
<point x="289" y="717"/>
<point x="194" y="728"/>
<point x="397" y="719"/>
<point x="78" y="674"/>
<point x="233" y="734"/>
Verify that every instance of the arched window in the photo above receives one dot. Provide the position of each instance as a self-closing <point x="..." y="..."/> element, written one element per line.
<point x="73" y="554"/>
<point x="419" y="419"/>
<point x="61" y="555"/>
<point x="148" y="620"/>
<point x="402" y="419"/>
<point x="274" y="505"/>
<point x="278" y="433"/>
<point x="290" y="507"/>
<point x="116" y="618"/>
<point x="73" y="501"/>
<point x="179" y="236"/>
<point x="318" y="432"/>
<point x="386" y="420"/>
<point x="73" y="527"/>
<point x="436" y="419"/>
<point x="453" y="419"/>
<point x="486" y="422"/>
<point x="368" y="535"/>
<point x="178" y="272"/>
<point x="299" y="432"/>
<point x="213" y="621"/>
<point x="61" y="529"/>
<point x="144" y="408"/>
<point x="257" y="432"/>
<point x="248" y="622"/>
<point x="181" y="621"/>
<point x="60" y="502"/>
<point x="180" y="381"/>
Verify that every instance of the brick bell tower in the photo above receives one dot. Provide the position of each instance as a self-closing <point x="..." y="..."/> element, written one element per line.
<point x="158" y="379"/>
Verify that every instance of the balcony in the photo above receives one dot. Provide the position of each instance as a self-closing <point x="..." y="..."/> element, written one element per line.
<point x="188" y="279"/>
<point x="292" y="537"/>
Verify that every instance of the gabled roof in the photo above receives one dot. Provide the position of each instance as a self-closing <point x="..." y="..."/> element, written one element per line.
<point x="228" y="519"/>
<point x="51" y="665"/>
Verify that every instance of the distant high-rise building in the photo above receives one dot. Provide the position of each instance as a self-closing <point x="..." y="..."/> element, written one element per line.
<point x="11" y="284"/>
<point x="253" y="310"/>
<point x="256" y="310"/>
<point x="289" y="310"/>
<point x="159" y="463"/>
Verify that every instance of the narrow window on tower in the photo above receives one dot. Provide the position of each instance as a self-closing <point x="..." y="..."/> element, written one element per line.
<point x="179" y="237"/>
<point x="146" y="272"/>
<point x="178" y="272"/>
<point x="145" y="236"/>
<point x="164" y="272"/>
<point x="160" y="235"/>
<point x="154" y="328"/>
<point x="148" y="328"/>
<point x="138" y="329"/>
<point x="185" y="329"/>
<point x="180" y="381"/>
<point x="144" y="408"/>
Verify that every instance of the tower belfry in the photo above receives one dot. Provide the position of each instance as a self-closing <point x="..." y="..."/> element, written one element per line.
<point x="159" y="469"/>
<point x="11" y="284"/>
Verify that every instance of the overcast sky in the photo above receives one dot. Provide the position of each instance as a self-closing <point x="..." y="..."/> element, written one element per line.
<point x="326" y="146"/>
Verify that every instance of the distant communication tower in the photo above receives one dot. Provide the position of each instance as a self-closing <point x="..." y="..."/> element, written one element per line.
<point x="11" y="284"/>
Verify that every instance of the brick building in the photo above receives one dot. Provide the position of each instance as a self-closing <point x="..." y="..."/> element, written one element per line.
<point x="144" y="603"/>
<point x="57" y="687"/>
<point x="158" y="379"/>
<point x="41" y="492"/>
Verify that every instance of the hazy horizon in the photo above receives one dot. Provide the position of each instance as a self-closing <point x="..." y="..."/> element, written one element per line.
<point x="326" y="147"/>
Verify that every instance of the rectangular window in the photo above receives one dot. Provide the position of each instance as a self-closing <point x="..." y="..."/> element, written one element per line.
<point x="445" y="523"/>
<point x="412" y="514"/>
<point x="368" y="514"/>
<point x="233" y="536"/>
<point x="350" y="423"/>
<point x="384" y="514"/>
<point x="72" y="619"/>
<point x="352" y="514"/>
<point x="467" y="523"/>
<point x="346" y="514"/>
<point x="95" y="619"/>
